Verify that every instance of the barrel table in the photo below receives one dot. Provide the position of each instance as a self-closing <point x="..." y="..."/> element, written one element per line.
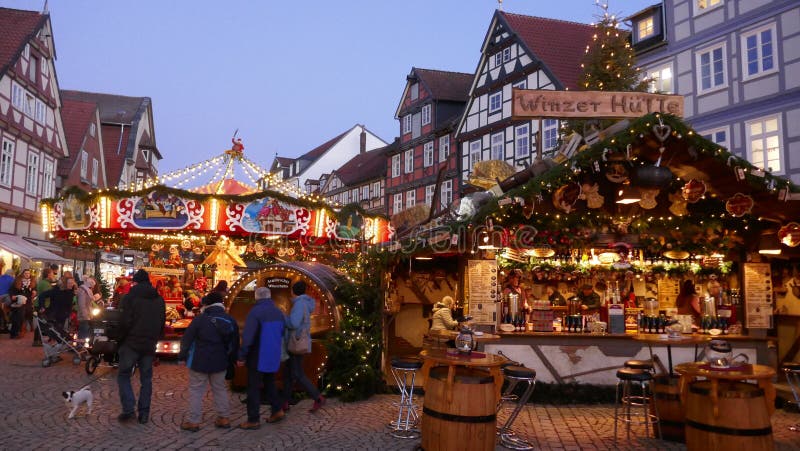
<point x="723" y="412"/>
<point x="461" y="395"/>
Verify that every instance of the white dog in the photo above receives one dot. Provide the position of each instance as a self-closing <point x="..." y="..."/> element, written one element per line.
<point x="76" y="398"/>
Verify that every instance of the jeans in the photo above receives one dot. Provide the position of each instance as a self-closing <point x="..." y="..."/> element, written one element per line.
<point x="84" y="331"/>
<point x="293" y="372"/>
<point x="197" y="391"/>
<point x="255" y="379"/>
<point x="128" y="358"/>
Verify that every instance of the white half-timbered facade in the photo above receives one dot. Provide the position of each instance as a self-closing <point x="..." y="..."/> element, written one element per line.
<point x="518" y="52"/>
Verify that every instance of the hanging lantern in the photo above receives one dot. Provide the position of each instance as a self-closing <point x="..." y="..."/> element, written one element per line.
<point x="652" y="176"/>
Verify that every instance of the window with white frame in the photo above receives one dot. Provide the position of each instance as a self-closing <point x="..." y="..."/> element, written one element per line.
<point x="406" y="124"/>
<point x="26" y="52"/>
<point x="427" y="154"/>
<point x="495" y="102"/>
<point x="397" y="204"/>
<point x="758" y="50"/>
<point x="661" y="79"/>
<point x="701" y="6"/>
<point x="645" y="28"/>
<point x="549" y="134"/>
<point x="18" y="96"/>
<point x="414" y="95"/>
<point x="376" y="189"/>
<point x="498" y="59"/>
<point x="354" y="194"/>
<point x="446" y="195"/>
<point x="84" y="164"/>
<point x="95" y="170"/>
<point x="396" y="165"/>
<point x="429" y="190"/>
<point x="345" y="197"/>
<point x="520" y="84"/>
<point x="6" y="162"/>
<point x="506" y="54"/>
<point x="32" y="177"/>
<point x="718" y="136"/>
<point x="764" y="143"/>
<point x="426" y="114"/>
<point x="474" y="153"/>
<point x="522" y="141"/>
<point x="92" y="129"/>
<point x="408" y="155"/>
<point x="44" y="67"/>
<point x="40" y="112"/>
<point x="411" y="198"/>
<point x="48" y="179"/>
<point x="444" y="148"/>
<point x="711" y="67"/>
<point x="498" y="151"/>
<point x="30" y="104"/>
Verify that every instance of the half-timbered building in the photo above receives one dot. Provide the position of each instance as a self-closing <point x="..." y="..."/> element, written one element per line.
<point x="429" y="109"/>
<point x="737" y="64"/>
<point x="522" y="52"/>
<point x="85" y="166"/>
<point x="31" y="131"/>
<point x="360" y="181"/>
<point x="128" y="136"/>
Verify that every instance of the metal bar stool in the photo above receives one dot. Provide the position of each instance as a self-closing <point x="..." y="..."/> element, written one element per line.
<point x="645" y="365"/>
<point x="792" y="371"/>
<point x="516" y="375"/>
<point x="508" y="393"/>
<point x="627" y="379"/>
<point x="404" y="371"/>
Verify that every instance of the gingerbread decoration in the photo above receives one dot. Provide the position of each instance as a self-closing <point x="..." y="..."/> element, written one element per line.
<point x="590" y="193"/>
<point x="739" y="205"/>
<point x="648" y="201"/>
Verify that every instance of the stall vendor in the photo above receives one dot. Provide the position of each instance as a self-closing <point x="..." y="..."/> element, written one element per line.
<point x="514" y="286"/>
<point x="588" y="298"/>
<point x="554" y="296"/>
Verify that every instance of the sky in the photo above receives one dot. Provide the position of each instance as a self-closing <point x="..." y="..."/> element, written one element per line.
<point x="287" y="75"/>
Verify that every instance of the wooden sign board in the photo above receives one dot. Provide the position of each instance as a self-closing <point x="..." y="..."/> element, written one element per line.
<point x="530" y="104"/>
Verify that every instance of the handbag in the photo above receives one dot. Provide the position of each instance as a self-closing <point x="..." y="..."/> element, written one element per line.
<point x="299" y="345"/>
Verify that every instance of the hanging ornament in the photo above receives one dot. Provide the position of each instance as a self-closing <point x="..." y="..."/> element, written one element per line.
<point x="648" y="201"/>
<point x="694" y="190"/>
<point x="590" y="193"/>
<point x="527" y="208"/>
<point x="790" y="234"/>
<point x="616" y="170"/>
<point x="678" y="206"/>
<point x="565" y="197"/>
<point x="739" y="205"/>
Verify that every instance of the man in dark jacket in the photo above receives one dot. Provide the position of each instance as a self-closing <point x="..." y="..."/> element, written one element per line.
<point x="143" y="317"/>
<point x="262" y="342"/>
<point x="209" y="345"/>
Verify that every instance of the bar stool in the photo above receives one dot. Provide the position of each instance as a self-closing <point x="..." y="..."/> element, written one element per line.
<point x="627" y="379"/>
<point x="792" y="371"/>
<point x="404" y="371"/>
<point x="645" y="365"/>
<point x="515" y="375"/>
<point x="508" y="393"/>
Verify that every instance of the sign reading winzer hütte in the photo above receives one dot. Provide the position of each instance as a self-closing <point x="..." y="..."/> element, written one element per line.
<point x="530" y="103"/>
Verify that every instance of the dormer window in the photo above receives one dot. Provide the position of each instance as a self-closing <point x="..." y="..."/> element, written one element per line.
<point x="645" y="28"/>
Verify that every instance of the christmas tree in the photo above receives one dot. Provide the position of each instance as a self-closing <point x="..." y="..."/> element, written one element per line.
<point x="609" y="65"/>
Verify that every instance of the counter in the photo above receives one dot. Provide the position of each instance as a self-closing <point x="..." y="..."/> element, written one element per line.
<point x="595" y="358"/>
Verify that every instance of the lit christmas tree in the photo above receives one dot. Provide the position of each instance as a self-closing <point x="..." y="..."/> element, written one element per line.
<point x="609" y="65"/>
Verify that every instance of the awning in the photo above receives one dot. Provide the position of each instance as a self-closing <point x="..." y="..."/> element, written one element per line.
<point x="18" y="246"/>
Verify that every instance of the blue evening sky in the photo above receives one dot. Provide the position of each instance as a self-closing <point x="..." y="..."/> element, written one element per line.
<point x="289" y="75"/>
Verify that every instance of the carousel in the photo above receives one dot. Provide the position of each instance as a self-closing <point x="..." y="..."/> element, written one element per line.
<point x="202" y="224"/>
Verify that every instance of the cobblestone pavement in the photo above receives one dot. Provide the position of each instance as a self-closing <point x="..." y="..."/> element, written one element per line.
<point x="34" y="416"/>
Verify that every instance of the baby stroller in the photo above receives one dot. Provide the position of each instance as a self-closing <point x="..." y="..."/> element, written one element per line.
<point x="55" y="340"/>
<point x="104" y="341"/>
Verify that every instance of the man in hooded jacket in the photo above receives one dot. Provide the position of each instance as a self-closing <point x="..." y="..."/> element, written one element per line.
<point x="142" y="324"/>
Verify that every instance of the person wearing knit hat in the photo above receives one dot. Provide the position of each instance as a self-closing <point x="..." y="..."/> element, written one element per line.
<point x="141" y="325"/>
<point x="209" y="348"/>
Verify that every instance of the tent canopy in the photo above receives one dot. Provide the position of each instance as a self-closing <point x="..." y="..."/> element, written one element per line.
<point x="29" y="251"/>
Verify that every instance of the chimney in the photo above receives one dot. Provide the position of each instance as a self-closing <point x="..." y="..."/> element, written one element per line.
<point x="363" y="143"/>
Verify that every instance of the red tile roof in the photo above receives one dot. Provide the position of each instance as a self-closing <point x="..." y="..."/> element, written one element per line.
<point x="443" y="85"/>
<point x="17" y="27"/>
<point x="114" y="108"/>
<point x="318" y="151"/>
<point x="559" y="44"/>
<point x="365" y="166"/>
<point x="77" y="116"/>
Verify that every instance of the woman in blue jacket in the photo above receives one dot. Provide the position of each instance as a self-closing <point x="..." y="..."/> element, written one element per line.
<point x="209" y="345"/>
<point x="299" y="322"/>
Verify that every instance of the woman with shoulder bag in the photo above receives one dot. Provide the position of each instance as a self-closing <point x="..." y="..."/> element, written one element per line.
<point x="298" y="344"/>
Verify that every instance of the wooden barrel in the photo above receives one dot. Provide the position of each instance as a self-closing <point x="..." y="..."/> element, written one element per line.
<point x="461" y="416"/>
<point x="742" y="423"/>
<point x="671" y="416"/>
